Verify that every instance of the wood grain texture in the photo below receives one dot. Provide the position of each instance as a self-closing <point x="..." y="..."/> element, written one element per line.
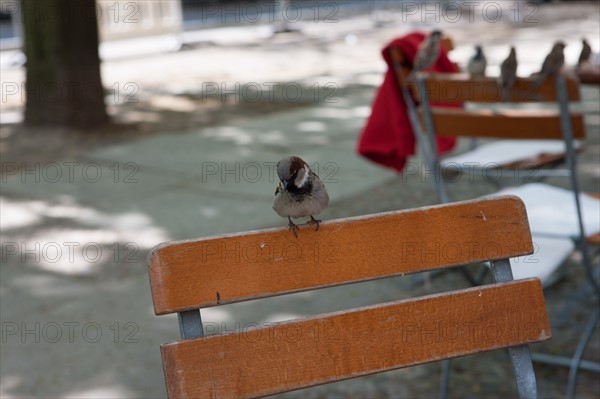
<point x="187" y="275"/>
<point x="297" y="354"/>
<point x="460" y="88"/>
<point x="514" y="124"/>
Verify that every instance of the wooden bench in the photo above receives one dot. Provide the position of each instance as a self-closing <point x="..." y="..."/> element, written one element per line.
<point x="190" y="275"/>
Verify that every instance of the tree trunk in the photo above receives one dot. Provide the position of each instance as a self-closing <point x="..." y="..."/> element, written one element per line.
<point x="64" y="86"/>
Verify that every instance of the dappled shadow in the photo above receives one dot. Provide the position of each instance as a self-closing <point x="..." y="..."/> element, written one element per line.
<point x="75" y="297"/>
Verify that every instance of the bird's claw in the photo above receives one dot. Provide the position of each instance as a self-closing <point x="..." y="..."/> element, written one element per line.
<point x="293" y="227"/>
<point x="314" y="221"/>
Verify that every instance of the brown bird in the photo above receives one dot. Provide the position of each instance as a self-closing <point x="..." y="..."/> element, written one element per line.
<point x="553" y="63"/>
<point x="586" y="52"/>
<point x="508" y="73"/>
<point x="428" y="52"/>
<point x="300" y="192"/>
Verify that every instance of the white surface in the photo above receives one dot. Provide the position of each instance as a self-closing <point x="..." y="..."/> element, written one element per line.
<point x="551" y="210"/>
<point x="505" y="151"/>
<point x="549" y="254"/>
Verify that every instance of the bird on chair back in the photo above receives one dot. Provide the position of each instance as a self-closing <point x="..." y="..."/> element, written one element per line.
<point x="586" y="53"/>
<point x="477" y="64"/>
<point x="553" y="63"/>
<point x="427" y="53"/>
<point x="300" y="192"/>
<point x="508" y="74"/>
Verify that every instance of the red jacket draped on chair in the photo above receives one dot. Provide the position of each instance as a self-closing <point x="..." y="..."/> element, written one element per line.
<point x="388" y="138"/>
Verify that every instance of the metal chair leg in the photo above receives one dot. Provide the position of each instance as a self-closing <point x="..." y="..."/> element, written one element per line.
<point x="576" y="361"/>
<point x="523" y="368"/>
<point x="445" y="379"/>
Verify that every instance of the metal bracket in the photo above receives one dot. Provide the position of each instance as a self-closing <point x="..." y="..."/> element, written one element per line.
<point x="190" y="324"/>
<point x="519" y="355"/>
<point x="567" y="129"/>
<point x="431" y="159"/>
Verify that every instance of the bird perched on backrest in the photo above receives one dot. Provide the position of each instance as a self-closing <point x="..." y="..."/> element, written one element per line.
<point x="300" y="192"/>
<point x="586" y="52"/>
<point x="477" y="64"/>
<point x="508" y="73"/>
<point x="427" y="53"/>
<point x="553" y="63"/>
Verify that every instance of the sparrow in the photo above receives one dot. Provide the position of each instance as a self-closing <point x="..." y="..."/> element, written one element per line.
<point x="552" y="63"/>
<point x="477" y="63"/>
<point x="427" y="53"/>
<point x="300" y="192"/>
<point x="508" y="73"/>
<point x="586" y="52"/>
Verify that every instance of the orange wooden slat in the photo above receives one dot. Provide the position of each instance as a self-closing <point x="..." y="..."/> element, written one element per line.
<point x="513" y="124"/>
<point x="397" y="57"/>
<point x="401" y="65"/>
<point x="460" y="88"/>
<point x="539" y="161"/>
<point x="589" y="77"/>
<point x="298" y="354"/>
<point x="594" y="240"/>
<point x="189" y="274"/>
<point x="447" y="44"/>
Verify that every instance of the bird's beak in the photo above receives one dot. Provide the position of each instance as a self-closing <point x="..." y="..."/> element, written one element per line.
<point x="285" y="184"/>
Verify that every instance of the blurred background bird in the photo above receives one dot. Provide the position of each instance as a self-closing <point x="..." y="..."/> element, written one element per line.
<point x="427" y="53"/>
<point x="586" y="53"/>
<point x="508" y="73"/>
<point x="300" y="192"/>
<point x="477" y="64"/>
<point x="553" y="63"/>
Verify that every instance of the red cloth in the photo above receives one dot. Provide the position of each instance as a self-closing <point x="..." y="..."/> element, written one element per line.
<point x="388" y="138"/>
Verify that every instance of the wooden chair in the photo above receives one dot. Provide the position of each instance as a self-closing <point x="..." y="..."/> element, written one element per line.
<point x="517" y="124"/>
<point x="459" y="89"/>
<point x="572" y="214"/>
<point x="187" y="276"/>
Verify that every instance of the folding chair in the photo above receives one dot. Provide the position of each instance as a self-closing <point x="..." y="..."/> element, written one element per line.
<point x="509" y="153"/>
<point x="190" y="275"/>
<point x="556" y="215"/>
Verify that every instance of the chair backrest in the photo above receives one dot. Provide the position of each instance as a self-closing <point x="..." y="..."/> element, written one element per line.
<point x="560" y="123"/>
<point x="460" y="88"/>
<point x="188" y="275"/>
<point x="403" y="65"/>
<point x="513" y="123"/>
